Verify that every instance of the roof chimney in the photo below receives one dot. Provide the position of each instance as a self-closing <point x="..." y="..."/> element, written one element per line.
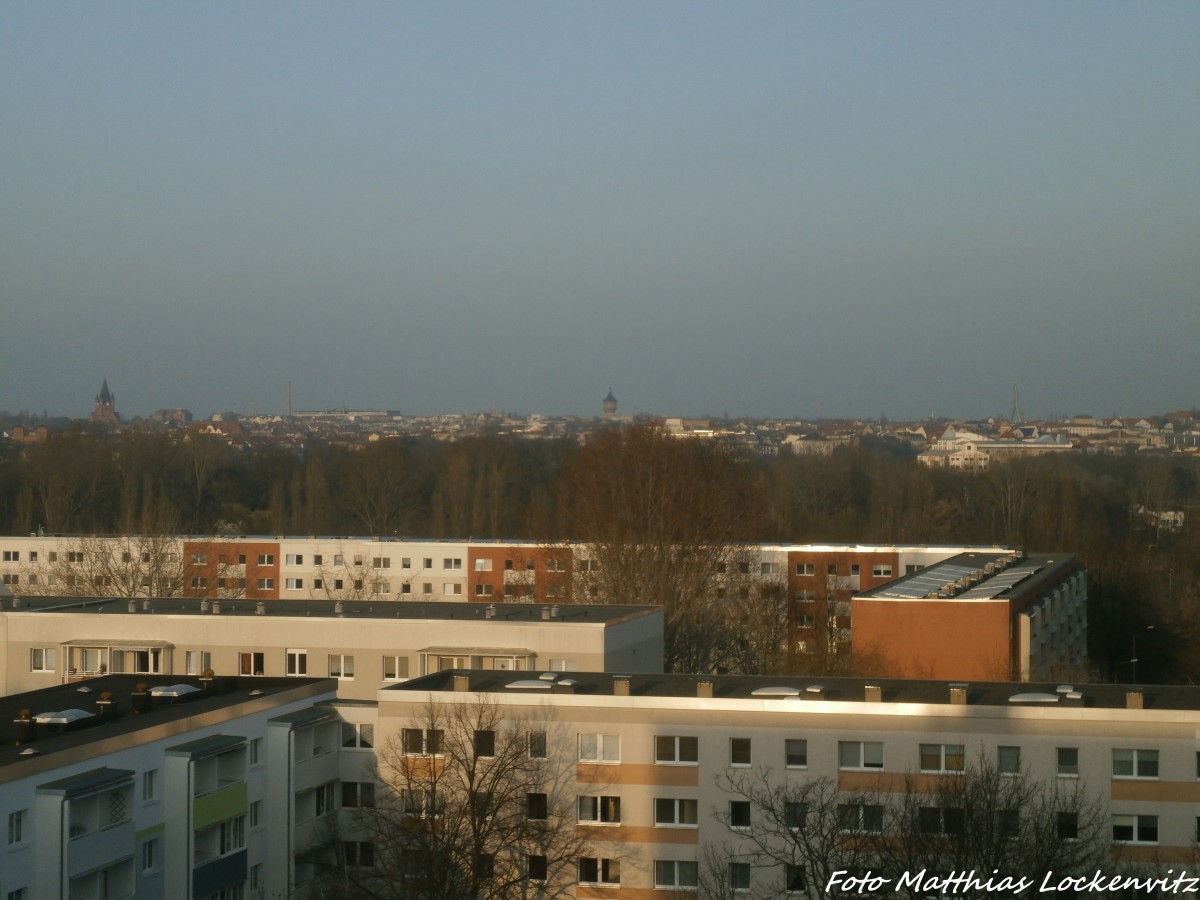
<point x="621" y="685"/>
<point x="704" y="689"/>
<point x="260" y="608"/>
<point x="873" y="693"/>
<point x="1134" y="700"/>
<point x="958" y="695"/>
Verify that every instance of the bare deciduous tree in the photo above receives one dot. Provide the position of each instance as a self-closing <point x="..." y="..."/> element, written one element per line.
<point x="473" y="806"/>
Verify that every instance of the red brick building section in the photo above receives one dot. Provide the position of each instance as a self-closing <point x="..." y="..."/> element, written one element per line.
<point x="519" y="573"/>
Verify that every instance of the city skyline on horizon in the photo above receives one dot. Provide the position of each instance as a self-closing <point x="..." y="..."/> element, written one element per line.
<point x="1016" y="403"/>
<point x="776" y="210"/>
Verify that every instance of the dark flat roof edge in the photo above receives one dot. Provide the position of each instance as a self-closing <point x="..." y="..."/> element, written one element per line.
<point x="407" y="610"/>
<point x="807" y="689"/>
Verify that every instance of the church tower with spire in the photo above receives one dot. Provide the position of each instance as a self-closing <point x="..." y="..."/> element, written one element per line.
<point x="105" y="411"/>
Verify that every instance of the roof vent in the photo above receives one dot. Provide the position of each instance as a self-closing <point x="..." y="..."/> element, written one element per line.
<point x="1134" y="700"/>
<point x="216" y="607"/>
<point x="339" y="608"/>
<point x="203" y="606"/>
<point x="1033" y="697"/>
<point x="462" y="683"/>
<point x="958" y="695"/>
<point x="131" y="606"/>
<point x="704" y="689"/>
<point x="775" y="692"/>
<point x="260" y="608"/>
<point x="490" y="611"/>
<point x="872" y="693"/>
<point x="17" y="602"/>
<point x="621" y="685"/>
<point x="146" y="605"/>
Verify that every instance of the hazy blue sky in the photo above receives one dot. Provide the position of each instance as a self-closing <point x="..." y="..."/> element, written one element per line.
<point x="755" y="208"/>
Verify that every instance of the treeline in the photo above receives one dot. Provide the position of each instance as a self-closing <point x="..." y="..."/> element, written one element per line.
<point x="632" y="487"/>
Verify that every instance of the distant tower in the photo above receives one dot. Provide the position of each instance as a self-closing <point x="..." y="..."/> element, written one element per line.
<point x="1017" y="417"/>
<point x="105" y="411"/>
<point x="610" y="405"/>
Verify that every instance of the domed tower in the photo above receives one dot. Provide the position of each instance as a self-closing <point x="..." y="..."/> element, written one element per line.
<point x="610" y="405"/>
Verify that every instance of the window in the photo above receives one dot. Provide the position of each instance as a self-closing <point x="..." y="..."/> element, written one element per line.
<point x="256" y="808"/>
<point x="357" y="735"/>
<point x="406" y="587"/>
<point x="451" y="589"/>
<point x="739" y="813"/>
<point x="882" y="571"/>
<point x="1067" y="824"/>
<point x="421" y="741"/>
<point x="860" y="755"/>
<point x="42" y="659"/>
<point x="860" y="818"/>
<point x="483" y="590"/>
<point x="452" y="563"/>
<point x="537" y="745"/>
<point x="593" y="870"/>
<point x="1068" y="761"/>
<point x="1008" y="823"/>
<point x="19" y="894"/>
<point x="12" y="556"/>
<point x="221" y="839"/>
<point x="529" y="565"/>
<point x="1008" y="760"/>
<point x="395" y="668"/>
<point x="739" y="876"/>
<point x="831" y="569"/>
<point x="16" y="827"/>
<point x="795" y="752"/>
<point x="483" y="565"/>
<point x="297" y="662"/>
<point x="600" y="748"/>
<point x="673" y="811"/>
<point x="806" y="569"/>
<point x="150" y="856"/>
<point x="251" y="663"/>
<point x="317" y="802"/>
<point x="588" y="565"/>
<point x="676" y="749"/>
<point x="939" y="820"/>
<point x="537" y="867"/>
<point x="1135" y="829"/>
<point x="485" y="743"/>
<point x="266" y="559"/>
<point x="795" y="814"/>
<point x="150" y="785"/>
<point x="74" y="556"/>
<point x="427" y="562"/>
<point x="855" y="569"/>
<point x="675" y="873"/>
<point x="341" y="666"/>
<point x="1134" y="763"/>
<point x="294" y="584"/>
<point x="795" y="878"/>
<point x="294" y="559"/>
<point x="555" y="565"/>
<point x="767" y="568"/>
<point x="265" y="584"/>
<point x="11" y="579"/>
<point x="942" y="758"/>
<point x="318" y="559"/>
<point x="358" y="794"/>
<point x="536" y="806"/>
<point x="196" y="661"/>
<point x="605" y="810"/>
<point x="200" y="583"/>
<point x="359" y="853"/>
<point x="739" y="751"/>
<point x="426" y="588"/>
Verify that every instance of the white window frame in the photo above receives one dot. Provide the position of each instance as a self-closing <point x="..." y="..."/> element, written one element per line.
<point x="866" y="758"/>
<point x="1136" y="759"/>
<point x="678" y="750"/>
<point x="599" y="809"/>
<point x="680" y="878"/>
<point x="676" y="812"/>
<point x="296" y="663"/>
<point x="43" y="659"/>
<point x="338" y="666"/>
<point x="601" y="749"/>
<point x="1135" y="822"/>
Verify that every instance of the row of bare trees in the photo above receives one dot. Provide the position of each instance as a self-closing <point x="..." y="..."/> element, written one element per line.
<point x="471" y="804"/>
<point x="664" y="514"/>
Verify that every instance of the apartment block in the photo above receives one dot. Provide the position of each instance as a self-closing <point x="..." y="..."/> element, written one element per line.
<point x="153" y="788"/>
<point x="652" y="756"/>
<point x="365" y="645"/>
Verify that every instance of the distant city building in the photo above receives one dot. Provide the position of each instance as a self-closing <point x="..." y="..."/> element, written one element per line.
<point x="105" y="410"/>
<point x="610" y="405"/>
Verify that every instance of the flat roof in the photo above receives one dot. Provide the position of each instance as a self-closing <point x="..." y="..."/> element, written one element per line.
<point x="225" y="691"/>
<point x="977" y="575"/>
<point x="793" y="691"/>
<point x="409" y="610"/>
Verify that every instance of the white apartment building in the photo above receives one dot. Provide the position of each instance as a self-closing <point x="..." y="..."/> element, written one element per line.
<point x="364" y="644"/>
<point x="160" y="790"/>
<point x="651" y="755"/>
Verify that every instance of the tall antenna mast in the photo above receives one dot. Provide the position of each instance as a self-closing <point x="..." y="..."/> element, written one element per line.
<point x="1017" y="417"/>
